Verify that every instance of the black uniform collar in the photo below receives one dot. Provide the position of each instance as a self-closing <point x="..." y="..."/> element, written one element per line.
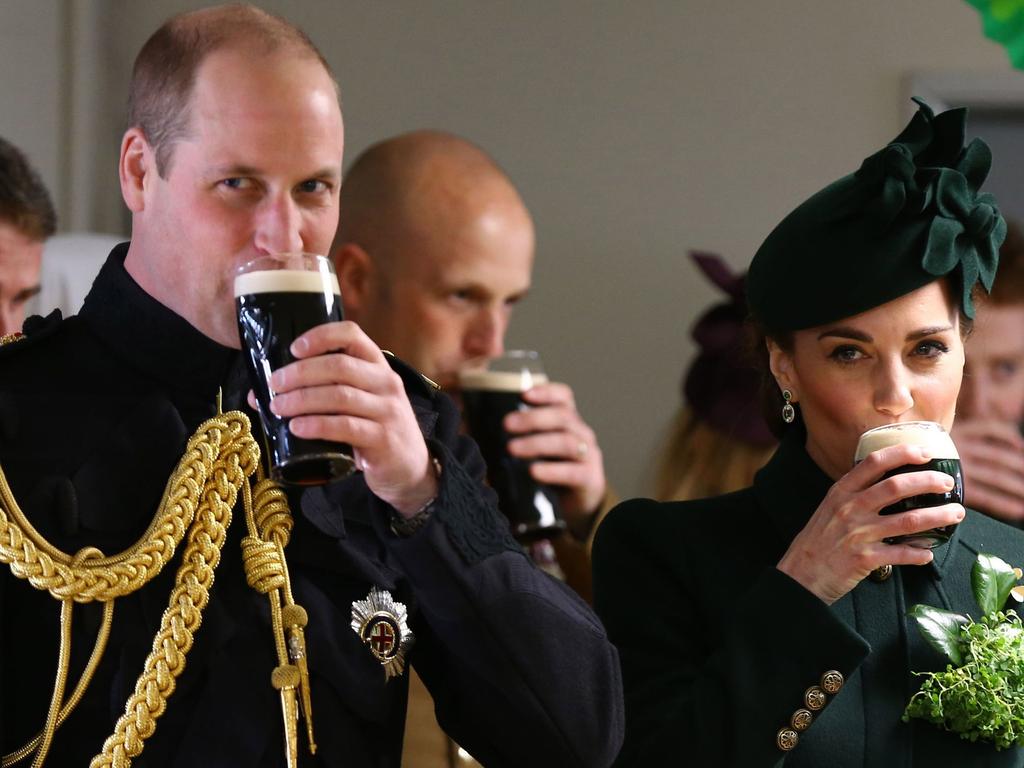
<point x="791" y="486"/>
<point x="152" y="338"/>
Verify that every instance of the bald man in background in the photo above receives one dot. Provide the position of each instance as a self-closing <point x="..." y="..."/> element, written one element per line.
<point x="434" y="248"/>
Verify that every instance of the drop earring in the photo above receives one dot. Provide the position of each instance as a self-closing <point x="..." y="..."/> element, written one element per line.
<point x="788" y="411"/>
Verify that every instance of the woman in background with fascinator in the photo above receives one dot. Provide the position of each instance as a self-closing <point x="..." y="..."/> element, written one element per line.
<point x="719" y="438"/>
<point x="769" y="626"/>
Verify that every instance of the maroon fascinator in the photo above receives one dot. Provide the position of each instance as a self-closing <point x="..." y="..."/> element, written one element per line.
<point x="722" y="386"/>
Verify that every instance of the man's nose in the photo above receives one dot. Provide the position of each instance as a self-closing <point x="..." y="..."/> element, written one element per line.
<point x="278" y="226"/>
<point x="486" y="336"/>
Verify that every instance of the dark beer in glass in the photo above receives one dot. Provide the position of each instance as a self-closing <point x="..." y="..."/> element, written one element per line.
<point x="278" y="298"/>
<point x="488" y="395"/>
<point x="945" y="458"/>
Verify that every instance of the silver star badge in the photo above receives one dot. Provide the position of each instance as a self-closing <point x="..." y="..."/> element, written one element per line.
<point x="382" y="623"/>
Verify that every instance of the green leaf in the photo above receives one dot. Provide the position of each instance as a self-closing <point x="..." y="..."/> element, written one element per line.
<point x="941" y="629"/>
<point x="992" y="579"/>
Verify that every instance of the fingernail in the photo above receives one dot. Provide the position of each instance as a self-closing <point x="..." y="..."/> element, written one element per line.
<point x="299" y="347"/>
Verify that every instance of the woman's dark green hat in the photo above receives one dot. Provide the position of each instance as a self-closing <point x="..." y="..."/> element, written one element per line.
<point x="911" y="214"/>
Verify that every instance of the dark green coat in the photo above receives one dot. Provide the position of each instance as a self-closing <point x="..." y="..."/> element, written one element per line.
<point x="718" y="646"/>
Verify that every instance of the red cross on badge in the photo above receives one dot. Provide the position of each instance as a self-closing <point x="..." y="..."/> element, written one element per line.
<point x="382" y="639"/>
<point x="381" y="623"/>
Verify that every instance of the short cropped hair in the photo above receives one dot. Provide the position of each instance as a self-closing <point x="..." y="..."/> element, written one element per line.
<point x="164" y="74"/>
<point x="24" y="201"/>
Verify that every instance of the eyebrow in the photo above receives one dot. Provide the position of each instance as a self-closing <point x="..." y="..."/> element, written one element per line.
<point x="229" y="171"/>
<point x="28" y="293"/>
<point x="852" y="333"/>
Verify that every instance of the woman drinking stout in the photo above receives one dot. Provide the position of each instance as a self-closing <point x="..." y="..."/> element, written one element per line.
<point x="769" y="626"/>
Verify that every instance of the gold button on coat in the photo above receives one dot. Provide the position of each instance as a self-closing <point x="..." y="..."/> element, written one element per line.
<point x="787" y="739"/>
<point x="832" y="682"/>
<point x="801" y="720"/>
<point x="815" y="698"/>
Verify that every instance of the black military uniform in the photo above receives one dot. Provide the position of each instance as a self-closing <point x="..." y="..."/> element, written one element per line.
<point x="720" y="649"/>
<point x="94" y="413"/>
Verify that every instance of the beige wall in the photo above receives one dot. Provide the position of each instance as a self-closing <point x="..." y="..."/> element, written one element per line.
<point x="636" y="130"/>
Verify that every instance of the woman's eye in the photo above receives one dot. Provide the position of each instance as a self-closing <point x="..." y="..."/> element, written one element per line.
<point x="930" y="348"/>
<point x="846" y="354"/>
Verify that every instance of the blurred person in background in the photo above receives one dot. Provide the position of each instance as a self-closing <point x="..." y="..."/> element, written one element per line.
<point x="434" y="249"/>
<point x="719" y="438"/>
<point x="27" y="219"/>
<point x="990" y="409"/>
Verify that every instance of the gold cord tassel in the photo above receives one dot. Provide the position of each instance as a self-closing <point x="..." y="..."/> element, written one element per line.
<point x="270" y="522"/>
<point x="286" y="678"/>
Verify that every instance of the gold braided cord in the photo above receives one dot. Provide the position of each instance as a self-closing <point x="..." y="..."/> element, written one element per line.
<point x="238" y="459"/>
<point x="89" y="575"/>
<point x="83" y="682"/>
<point x="66" y="609"/>
<point x="11" y="337"/>
<point x="199" y="497"/>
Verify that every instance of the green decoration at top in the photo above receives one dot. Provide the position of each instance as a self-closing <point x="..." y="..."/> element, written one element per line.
<point x="1003" y="21"/>
<point x="913" y="212"/>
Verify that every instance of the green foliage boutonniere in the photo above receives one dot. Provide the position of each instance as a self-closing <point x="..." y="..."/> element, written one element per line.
<point x="980" y="695"/>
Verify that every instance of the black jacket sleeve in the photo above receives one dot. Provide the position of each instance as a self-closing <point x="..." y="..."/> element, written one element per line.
<point x="707" y="688"/>
<point x="520" y="668"/>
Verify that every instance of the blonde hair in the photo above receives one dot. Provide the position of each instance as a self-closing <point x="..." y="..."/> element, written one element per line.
<point x="699" y="461"/>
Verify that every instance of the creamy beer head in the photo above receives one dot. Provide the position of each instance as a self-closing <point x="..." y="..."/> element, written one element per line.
<point x="925" y="434"/>
<point x="286" y="281"/>
<point x="501" y="381"/>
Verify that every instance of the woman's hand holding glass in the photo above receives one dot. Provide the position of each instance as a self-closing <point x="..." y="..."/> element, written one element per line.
<point x="844" y="539"/>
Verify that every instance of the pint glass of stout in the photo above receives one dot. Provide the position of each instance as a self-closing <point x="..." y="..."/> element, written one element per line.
<point x="278" y="298"/>
<point x="935" y="439"/>
<point x="488" y="395"/>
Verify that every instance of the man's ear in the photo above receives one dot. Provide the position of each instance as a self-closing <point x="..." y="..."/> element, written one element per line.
<point x="355" y="276"/>
<point x="781" y="363"/>
<point x="137" y="162"/>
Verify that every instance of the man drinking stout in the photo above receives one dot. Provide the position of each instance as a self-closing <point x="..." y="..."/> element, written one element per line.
<point x="936" y="442"/>
<point x="233" y="152"/>
<point x="434" y="250"/>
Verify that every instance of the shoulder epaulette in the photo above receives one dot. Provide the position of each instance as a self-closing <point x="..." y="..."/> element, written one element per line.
<point x="36" y="328"/>
<point x="415" y="382"/>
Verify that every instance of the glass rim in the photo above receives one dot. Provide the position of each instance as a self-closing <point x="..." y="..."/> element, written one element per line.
<point x="896" y="425"/>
